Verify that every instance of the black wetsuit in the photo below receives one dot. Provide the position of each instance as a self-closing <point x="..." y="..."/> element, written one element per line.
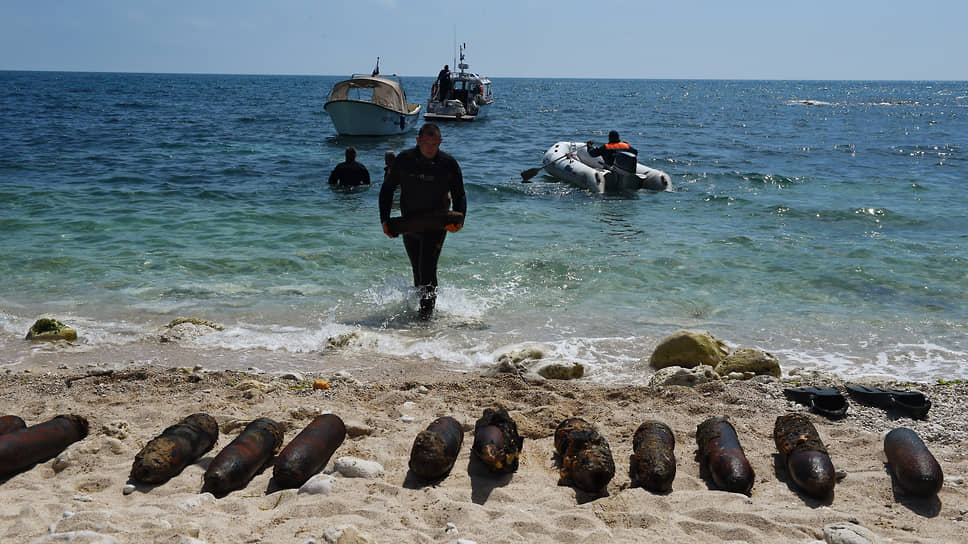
<point x="426" y="185"/>
<point x="443" y="84"/>
<point x="349" y="174"/>
<point x="608" y="155"/>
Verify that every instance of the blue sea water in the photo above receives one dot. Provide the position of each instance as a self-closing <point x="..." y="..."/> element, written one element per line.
<point x="823" y="221"/>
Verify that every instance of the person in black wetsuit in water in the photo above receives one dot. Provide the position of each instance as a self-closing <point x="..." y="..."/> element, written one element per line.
<point x="349" y="173"/>
<point x="429" y="180"/>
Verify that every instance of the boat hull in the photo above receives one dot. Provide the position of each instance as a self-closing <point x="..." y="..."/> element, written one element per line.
<point x="359" y="118"/>
<point x="438" y="111"/>
<point x="571" y="162"/>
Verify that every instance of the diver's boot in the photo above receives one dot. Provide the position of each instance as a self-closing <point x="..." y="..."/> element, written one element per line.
<point x="428" y="300"/>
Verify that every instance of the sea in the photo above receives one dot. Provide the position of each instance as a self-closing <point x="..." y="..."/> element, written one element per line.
<point x="825" y="222"/>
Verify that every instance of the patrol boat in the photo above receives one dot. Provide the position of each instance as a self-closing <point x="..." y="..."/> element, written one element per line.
<point x="469" y="96"/>
<point x="571" y="162"/>
<point x="371" y="105"/>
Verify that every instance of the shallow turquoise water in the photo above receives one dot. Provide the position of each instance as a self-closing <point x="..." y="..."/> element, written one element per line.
<point x="822" y="221"/>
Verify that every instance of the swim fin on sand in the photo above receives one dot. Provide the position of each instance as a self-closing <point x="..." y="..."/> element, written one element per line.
<point x="910" y="403"/>
<point x="826" y="401"/>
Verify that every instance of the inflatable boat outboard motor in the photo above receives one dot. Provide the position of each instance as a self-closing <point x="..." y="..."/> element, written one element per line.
<point x="625" y="175"/>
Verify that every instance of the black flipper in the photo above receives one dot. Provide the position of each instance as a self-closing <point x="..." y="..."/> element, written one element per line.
<point x="826" y="401"/>
<point x="910" y="403"/>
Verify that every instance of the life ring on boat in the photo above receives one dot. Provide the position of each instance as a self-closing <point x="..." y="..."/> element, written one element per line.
<point x="433" y="89"/>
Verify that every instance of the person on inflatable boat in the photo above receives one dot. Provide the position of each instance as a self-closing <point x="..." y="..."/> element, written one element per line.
<point x="607" y="151"/>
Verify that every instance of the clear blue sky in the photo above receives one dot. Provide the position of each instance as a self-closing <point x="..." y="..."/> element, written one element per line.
<point x="770" y="39"/>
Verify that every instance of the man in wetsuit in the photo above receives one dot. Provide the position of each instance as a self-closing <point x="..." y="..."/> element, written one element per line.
<point x="430" y="180"/>
<point x="350" y="172"/>
<point x="608" y="151"/>
<point x="443" y="83"/>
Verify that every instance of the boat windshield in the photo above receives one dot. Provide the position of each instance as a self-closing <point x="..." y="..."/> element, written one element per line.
<point x="382" y="92"/>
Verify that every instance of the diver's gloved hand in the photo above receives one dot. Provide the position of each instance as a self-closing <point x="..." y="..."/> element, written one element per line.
<point x="453" y="228"/>
<point x="386" y="230"/>
<point x="589" y="143"/>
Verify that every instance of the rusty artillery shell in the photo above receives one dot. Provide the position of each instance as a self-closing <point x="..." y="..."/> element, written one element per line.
<point x="435" y="449"/>
<point x="309" y="451"/>
<point x="239" y="462"/>
<point x="915" y="469"/>
<point x="11" y="423"/>
<point x="23" y="448"/>
<point x="653" y="456"/>
<point x="723" y="456"/>
<point x="586" y="459"/>
<point x="805" y="455"/>
<point x="496" y="441"/>
<point x="166" y="455"/>
<point x="436" y="220"/>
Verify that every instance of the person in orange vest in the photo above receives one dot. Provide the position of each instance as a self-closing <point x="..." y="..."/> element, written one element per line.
<point x="608" y="151"/>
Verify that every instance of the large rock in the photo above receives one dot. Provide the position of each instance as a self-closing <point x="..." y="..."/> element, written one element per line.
<point x="51" y="329"/>
<point x="520" y="359"/>
<point x="559" y="371"/>
<point x="686" y="377"/>
<point x="184" y="329"/>
<point x="749" y="361"/>
<point x="688" y="349"/>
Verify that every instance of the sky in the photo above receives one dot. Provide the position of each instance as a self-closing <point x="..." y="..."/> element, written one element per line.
<point x="671" y="39"/>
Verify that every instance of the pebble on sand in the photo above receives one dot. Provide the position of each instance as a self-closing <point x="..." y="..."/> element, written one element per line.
<point x="353" y="467"/>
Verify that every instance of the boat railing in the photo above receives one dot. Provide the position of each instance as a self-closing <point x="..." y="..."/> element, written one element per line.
<point x="385" y="76"/>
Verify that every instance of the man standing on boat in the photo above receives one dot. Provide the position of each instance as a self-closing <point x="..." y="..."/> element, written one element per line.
<point x="608" y="151"/>
<point x="443" y="83"/>
<point x="349" y="173"/>
<point x="430" y="181"/>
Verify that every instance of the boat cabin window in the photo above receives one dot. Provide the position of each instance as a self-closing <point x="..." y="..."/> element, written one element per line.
<point x="365" y="94"/>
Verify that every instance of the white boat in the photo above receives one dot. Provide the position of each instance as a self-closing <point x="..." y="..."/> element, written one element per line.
<point x="571" y="162"/>
<point x="371" y="105"/>
<point x="470" y="95"/>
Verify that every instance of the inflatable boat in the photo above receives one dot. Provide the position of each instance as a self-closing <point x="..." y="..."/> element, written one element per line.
<point x="571" y="162"/>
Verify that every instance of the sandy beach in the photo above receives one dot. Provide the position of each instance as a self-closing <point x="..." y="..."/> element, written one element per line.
<point x="384" y="407"/>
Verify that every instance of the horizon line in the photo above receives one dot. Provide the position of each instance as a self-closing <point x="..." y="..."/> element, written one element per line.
<point x="686" y="78"/>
